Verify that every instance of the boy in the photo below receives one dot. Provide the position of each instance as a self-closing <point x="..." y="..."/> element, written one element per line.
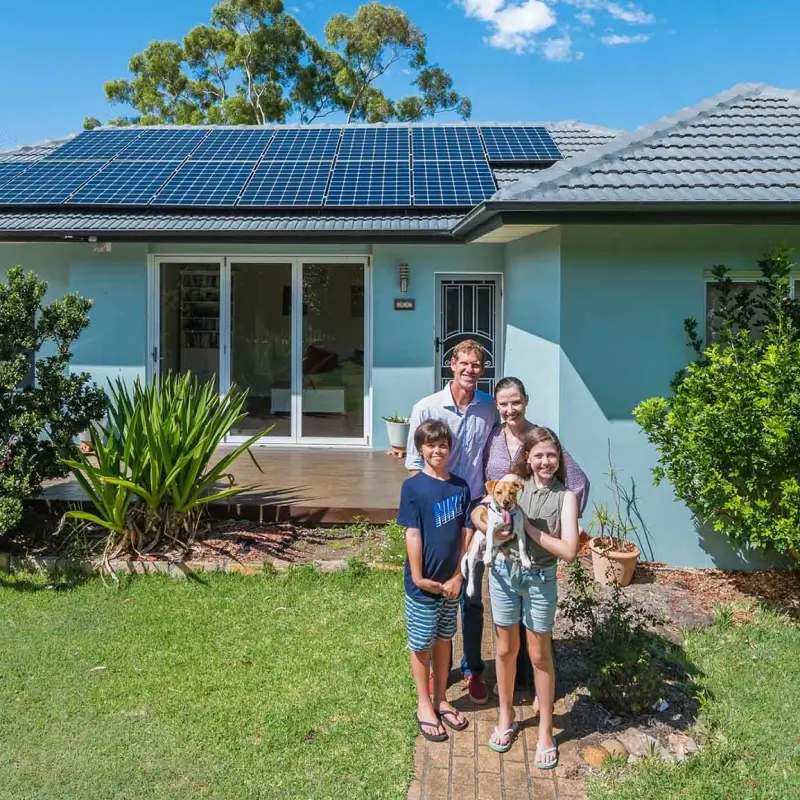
<point x="434" y="508"/>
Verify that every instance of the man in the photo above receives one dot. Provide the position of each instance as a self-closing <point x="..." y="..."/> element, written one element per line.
<point x="470" y="414"/>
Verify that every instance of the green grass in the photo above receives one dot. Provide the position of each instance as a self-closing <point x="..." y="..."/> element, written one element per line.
<point x="227" y="687"/>
<point x="750" y="717"/>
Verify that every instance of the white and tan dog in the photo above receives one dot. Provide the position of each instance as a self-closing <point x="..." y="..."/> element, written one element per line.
<point x="501" y="515"/>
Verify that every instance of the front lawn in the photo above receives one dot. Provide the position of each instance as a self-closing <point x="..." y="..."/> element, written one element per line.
<point x="750" y="716"/>
<point x="223" y="687"/>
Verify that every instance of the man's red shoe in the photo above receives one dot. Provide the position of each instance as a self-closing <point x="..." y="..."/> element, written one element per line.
<point x="478" y="690"/>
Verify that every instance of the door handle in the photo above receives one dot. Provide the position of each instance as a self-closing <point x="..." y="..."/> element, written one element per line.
<point x="437" y="343"/>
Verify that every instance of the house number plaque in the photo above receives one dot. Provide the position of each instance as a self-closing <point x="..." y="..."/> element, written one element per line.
<point x="404" y="304"/>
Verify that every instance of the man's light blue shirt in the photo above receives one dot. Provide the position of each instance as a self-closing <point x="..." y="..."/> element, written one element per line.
<point x="470" y="428"/>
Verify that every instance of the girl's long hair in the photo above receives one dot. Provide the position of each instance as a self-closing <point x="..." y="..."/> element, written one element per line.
<point x="535" y="436"/>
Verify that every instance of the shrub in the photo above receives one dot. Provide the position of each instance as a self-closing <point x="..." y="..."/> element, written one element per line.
<point x="153" y="471"/>
<point x="42" y="417"/>
<point x="729" y="437"/>
<point x="622" y="673"/>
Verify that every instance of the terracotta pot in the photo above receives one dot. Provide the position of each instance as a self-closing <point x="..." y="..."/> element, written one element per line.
<point x="613" y="565"/>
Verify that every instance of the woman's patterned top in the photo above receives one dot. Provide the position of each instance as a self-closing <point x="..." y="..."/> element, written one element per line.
<point x="497" y="461"/>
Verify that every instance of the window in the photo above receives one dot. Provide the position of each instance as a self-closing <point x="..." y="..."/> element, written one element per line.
<point x="739" y="290"/>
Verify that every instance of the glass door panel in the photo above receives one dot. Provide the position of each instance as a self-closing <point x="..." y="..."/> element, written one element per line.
<point x="261" y="345"/>
<point x="189" y="323"/>
<point x="332" y="405"/>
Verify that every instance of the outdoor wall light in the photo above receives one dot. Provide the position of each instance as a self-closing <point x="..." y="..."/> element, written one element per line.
<point x="403" y="271"/>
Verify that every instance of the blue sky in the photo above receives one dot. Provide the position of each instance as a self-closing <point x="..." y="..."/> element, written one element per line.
<point x="613" y="63"/>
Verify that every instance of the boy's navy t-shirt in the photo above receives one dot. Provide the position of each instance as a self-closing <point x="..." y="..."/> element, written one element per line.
<point x="438" y="508"/>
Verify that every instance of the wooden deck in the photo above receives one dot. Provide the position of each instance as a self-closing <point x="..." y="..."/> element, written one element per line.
<point x="307" y="486"/>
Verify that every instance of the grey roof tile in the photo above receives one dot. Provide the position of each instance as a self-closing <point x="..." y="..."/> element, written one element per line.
<point x="740" y="146"/>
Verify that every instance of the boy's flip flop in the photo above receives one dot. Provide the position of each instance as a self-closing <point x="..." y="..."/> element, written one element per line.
<point x="431" y="737"/>
<point x="443" y="716"/>
<point x="510" y="732"/>
<point x="539" y="764"/>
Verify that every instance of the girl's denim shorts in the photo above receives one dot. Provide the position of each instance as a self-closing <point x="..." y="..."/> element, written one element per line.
<point x="527" y="595"/>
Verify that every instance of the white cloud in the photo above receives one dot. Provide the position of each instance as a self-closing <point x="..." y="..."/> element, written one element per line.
<point x="559" y="49"/>
<point x="514" y="26"/>
<point x="616" y="38"/>
<point x="585" y="18"/>
<point x="630" y="13"/>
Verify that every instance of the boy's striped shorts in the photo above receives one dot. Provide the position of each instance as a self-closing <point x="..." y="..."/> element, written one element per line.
<point x="428" y="620"/>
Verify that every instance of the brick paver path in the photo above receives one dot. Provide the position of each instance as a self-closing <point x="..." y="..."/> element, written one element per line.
<point x="465" y="768"/>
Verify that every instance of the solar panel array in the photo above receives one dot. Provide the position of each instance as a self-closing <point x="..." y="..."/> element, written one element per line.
<point x="358" y="166"/>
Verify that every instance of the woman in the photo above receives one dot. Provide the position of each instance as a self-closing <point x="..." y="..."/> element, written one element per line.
<point x="530" y="595"/>
<point x="501" y="449"/>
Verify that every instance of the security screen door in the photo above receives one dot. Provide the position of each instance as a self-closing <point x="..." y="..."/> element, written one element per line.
<point x="468" y="307"/>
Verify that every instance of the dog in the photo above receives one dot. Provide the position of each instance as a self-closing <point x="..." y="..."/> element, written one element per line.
<point x="501" y="515"/>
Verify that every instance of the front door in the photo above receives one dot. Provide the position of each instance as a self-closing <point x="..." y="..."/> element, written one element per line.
<point x="468" y="307"/>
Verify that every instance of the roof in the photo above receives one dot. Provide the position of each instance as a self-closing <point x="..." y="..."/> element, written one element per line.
<point x="570" y="136"/>
<point x="740" y="146"/>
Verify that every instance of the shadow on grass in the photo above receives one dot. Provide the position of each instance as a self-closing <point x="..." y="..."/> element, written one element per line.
<point x="43" y="582"/>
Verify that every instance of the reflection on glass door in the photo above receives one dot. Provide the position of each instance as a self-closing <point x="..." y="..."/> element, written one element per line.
<point x="261" y="345"/>
<point x="332" y="371"/>
<point x="189" y="323"/>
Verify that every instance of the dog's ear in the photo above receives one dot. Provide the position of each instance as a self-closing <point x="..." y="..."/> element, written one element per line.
<point x="518" y="482"/>
<point x="490" y="486"/>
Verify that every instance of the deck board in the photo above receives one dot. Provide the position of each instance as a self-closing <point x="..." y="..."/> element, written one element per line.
<point x="312" y="486"/>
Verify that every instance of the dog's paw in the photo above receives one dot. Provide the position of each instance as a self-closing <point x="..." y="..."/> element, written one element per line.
<point x="487" y="559"/>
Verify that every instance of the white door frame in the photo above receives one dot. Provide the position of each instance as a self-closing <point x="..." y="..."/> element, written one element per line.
<point x="296" y="438"/>
<point x="499" y="309"/>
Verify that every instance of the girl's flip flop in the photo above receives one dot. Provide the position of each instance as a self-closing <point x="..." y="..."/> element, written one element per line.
<point x="539" y="764"/>
<point x="443" y="716"/>
<point x="510" y="732"/>
<point x="431" y="737"/>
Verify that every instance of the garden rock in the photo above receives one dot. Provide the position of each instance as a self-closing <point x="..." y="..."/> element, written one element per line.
<point x="595" y="756"/>
<point x="641" y="744"/>
<point x="682" y="746"/>
<point x="615" y="747"/>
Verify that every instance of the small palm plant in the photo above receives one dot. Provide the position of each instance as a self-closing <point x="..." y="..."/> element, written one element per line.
<point x="153" y="471"/>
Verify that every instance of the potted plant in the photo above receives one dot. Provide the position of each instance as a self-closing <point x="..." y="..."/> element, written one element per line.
<point x="614" y="556"/>
<point x="397" y="430"/>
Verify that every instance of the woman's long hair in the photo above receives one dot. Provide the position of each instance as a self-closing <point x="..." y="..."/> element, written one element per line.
<point x="529" y="440"/>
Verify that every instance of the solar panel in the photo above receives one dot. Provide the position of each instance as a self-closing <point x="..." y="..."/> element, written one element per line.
<point x="447" y="143"/>
<point x="233" y="145"/>
<point x="94" y="145"/>
<point x="9" y="169"/>
<point x="205" y="183"/>
<point x="163" y="144"/>
<point x="452" y="183"/>
<point x="306" y="144"/>
<point x="125" y="183"/>
<point x="519" y="143"/>
<point x="48" y="182"/>
<point x="370" y="183"/>
<point x="375" y="144"/>
<point x="292" y="183"/>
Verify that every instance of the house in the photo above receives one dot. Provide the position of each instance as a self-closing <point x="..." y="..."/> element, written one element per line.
<point x="331" y="270"/>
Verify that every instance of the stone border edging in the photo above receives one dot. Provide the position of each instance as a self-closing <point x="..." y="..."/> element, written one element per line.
<point x="176" y="569"/>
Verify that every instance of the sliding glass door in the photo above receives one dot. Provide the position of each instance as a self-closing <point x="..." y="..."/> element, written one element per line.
<point x="293" y="332"/>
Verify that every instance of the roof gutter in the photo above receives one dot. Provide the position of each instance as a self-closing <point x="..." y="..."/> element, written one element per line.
<point x="492" y="215"/>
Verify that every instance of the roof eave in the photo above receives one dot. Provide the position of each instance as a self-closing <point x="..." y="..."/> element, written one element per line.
<point x="491" y="216"/>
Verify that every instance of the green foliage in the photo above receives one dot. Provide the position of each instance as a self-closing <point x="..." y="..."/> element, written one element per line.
<point x="154" y="470"/>
<point x="254" y="63"/>
<point x="397" y="418"/>
<point x="38" y="419"/>
<point x="729" y="437"/>
<point x="623" y="675"/>
<point x="393" y="544"/>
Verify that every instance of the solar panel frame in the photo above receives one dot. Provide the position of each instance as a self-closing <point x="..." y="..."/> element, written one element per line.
<point x="358" y="183"/>
<point x="452" y="183"/>
<point x="94" y="145"/>
<point x="375" y="144"/>
<point x="286" y="183"/>
<point x="230" y="144"/>
<point x="519" y="143"/>
<point x="303" y="144"/>
<point x="48" y="182"/>
<point x="164" y="144"/>
<point x="205" y="183"/>
<point x="125" y="183"/>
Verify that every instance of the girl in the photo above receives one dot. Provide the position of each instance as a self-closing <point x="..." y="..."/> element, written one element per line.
<point x="530" y="595"/>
